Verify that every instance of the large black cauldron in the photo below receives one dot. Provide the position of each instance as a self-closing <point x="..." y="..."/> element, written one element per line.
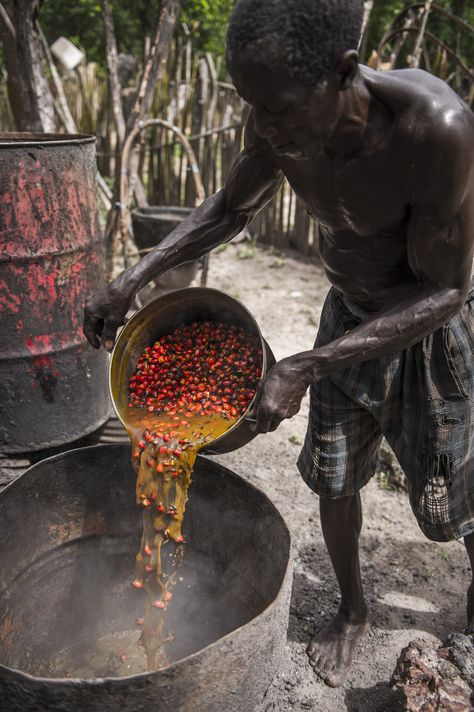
<point x="70" y="528"/>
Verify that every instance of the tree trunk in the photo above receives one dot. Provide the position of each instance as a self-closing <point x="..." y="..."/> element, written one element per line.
<point x="8" y="38"/>
<point x="35" y="92"/>
<point x="112" y="65"/>
<point x="155" y="61"/>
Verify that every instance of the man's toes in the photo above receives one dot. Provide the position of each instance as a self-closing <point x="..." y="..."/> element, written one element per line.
<point x="327" y="670"/>
<point x="312" y="648"/>
<point x="336" y="678"/>
<point x="319" y="664"/>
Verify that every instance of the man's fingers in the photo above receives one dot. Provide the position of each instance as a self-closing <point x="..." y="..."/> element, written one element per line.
<point x="266" y="427"/>
<point x="109" y="333"/>
<point x="274" y="424"/>
<point x="92" y="328"/>
<point x="265" y="421"/>
<point x="271" y="424"/>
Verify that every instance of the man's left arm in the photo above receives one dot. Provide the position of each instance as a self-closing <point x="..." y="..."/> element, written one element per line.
<point x="440" y="242"/>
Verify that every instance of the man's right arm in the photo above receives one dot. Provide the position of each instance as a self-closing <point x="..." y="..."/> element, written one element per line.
<point x="253" y="181"/>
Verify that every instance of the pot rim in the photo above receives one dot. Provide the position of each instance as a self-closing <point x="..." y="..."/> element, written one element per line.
<point x="172" y="669"/>
<point x="150" y="210"/>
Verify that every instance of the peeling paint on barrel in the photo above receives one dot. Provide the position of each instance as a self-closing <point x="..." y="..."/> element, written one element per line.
<point x="53" y="387"/>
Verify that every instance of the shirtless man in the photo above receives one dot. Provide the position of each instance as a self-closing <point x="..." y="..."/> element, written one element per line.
<point x="385" y="163"/>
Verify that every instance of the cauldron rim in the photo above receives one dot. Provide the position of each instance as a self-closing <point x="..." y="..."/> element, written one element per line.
<point x="173" y="669"/>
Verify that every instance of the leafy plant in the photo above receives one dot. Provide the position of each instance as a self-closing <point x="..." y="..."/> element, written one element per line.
<point x="246" y="253"/>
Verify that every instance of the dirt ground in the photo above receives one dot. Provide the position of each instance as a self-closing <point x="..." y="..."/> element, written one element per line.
<point x="414" y="587"/>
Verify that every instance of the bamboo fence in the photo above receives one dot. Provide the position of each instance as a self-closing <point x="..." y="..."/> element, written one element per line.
<point x="209" y="113"/>
<point x="193" y="97"/>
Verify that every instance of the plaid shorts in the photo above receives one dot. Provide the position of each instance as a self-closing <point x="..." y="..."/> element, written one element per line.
<point x="420" y="399"/>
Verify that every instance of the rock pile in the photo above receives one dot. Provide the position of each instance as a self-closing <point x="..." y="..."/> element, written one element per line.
<point x="437" y="679"/>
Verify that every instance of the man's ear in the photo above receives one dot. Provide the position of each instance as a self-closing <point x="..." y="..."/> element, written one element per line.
<point x="345" y="69"/>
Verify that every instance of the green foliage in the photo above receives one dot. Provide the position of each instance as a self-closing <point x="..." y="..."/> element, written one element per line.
<point x="383" y="13"/>
<point x="246" y="253"/>
<point x="78" y="20"/>
<point x="384" y="482"/>
<point x="439" y="26"/>
<point x="81" y="22"/>
<point x="207" y="19"/>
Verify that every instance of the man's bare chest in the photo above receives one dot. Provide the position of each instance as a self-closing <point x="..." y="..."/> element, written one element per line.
<point x="361" y="197"/>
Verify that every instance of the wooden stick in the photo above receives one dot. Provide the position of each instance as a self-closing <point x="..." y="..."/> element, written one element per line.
<point x="112" y="66"/>
<point x="5" y="17"/>
<point x="415" y="59"/>
<point x="438" y="42"/>
<point x="126" y="186"/>
<point x="156" y="57"/>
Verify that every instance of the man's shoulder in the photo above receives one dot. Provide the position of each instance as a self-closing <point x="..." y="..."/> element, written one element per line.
<point x="434" y="132"/>
<point x="426" y="110"/>
<point x="432" y="138"/>
<point x="440" y="117"/>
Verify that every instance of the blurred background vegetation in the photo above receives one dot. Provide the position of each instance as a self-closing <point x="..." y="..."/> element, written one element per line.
<point x="81" y="22"/>
<point x="191" y="90"/>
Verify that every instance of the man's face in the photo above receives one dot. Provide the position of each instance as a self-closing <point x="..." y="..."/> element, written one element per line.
<point x="296" y="119"/>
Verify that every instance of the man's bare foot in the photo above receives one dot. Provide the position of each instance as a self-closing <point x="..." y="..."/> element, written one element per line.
<point x="332" y="648"/>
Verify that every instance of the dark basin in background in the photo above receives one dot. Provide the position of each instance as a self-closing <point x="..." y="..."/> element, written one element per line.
<point x="153" y="223"/>
<point x="70" y="529"/>
<point x="150" y="226"/>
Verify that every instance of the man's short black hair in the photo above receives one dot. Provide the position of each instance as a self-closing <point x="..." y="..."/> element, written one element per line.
<point x="311" y="33"/>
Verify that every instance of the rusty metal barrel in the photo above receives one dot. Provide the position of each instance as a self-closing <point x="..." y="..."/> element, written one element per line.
<point x="53" y="386"/>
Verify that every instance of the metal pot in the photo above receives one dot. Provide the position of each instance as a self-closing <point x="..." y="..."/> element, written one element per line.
<point x="150" y="226"/>
<point x="70" y="529"/>
<point x="160" y="317"/>
<point x="153" y="223"/>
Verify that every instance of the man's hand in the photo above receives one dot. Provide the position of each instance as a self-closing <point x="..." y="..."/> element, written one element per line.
<point x="104" y="313"/>
<point x="279" y="395"/>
